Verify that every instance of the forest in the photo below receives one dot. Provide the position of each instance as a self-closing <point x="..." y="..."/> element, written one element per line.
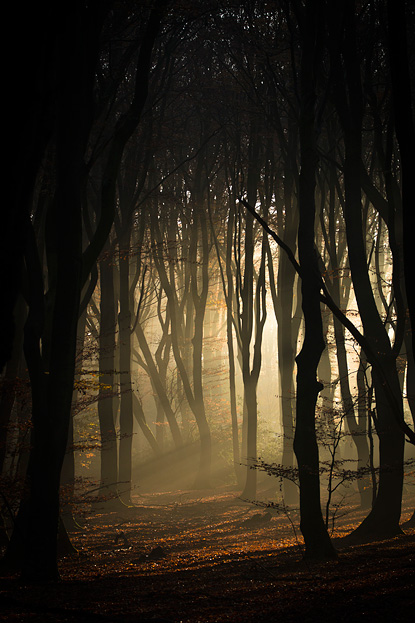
<point x="207" y="390"/>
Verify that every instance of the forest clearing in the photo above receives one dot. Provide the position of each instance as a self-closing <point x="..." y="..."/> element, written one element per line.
<point x="208" y="557"/>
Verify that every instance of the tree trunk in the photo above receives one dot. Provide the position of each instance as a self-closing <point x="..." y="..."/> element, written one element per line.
<point x="287" y="338"/>
<point x="68" y="467"/>
<point x="159" y="387"/>
<point x="126" y="395"/>
<point x="384" y="516"/>
<point x="316" y="538"/>
<point x="405" y="133"/>
<point x="109" y="459"/>
<point x="9" y="379"/>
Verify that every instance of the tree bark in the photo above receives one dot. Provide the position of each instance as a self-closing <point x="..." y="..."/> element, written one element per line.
<point x="384" y="516"/>
<point x="126" y="390"/>
<point x="316" y="538"/>
<point x="405" y="133"/>
<point x="109" y="453"/>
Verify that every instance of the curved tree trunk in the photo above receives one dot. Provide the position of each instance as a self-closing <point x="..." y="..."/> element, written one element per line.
<point x="383" y="520"/>
<point x="316" y="538"/>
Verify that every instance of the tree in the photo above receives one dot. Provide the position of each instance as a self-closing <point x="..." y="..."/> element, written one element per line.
<point x="76" y="45"/>
<point x="317" y="541"/>
<point x="384" y="518"/>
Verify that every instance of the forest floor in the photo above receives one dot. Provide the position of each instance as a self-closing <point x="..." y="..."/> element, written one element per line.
<point x="195" y="556"/>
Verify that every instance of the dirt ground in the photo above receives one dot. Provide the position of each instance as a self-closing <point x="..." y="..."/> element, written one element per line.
<point x="199" y="557"/>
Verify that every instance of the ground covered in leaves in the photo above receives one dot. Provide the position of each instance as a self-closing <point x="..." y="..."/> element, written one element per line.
<point x="201" y="557"/>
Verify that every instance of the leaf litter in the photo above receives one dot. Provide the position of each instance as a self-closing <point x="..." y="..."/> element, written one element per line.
<point x="199" y="556"/>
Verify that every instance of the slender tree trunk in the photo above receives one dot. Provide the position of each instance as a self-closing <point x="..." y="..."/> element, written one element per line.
<point x="126" y="391"/>
<point x="159" y="387"/>
<point x="231" y="353"/>
<point x="194" y="396"/>
<point x="339" y="290"/>
<point x="356" y="429"/>
<point x="109" y="458"/>
<point x="252" y="315"/>
<point x="199" y="304"/>
<point x="287" y="338"/>
<point x="162" y="356"/>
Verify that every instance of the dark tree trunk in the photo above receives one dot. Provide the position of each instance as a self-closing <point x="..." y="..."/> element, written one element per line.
<point x="52" y="373"/>
<point x="403" y="110"/>
<point x="109" y="455"/>
<point x="287" y="338"/>
<point x="339" y="290"/>
<point x="9" y="379"/>
<point x="126" y="395"/>
<point x="251" y="316"/>
<point x="384" y="517"/>
<point x="26" y="137"/>
<point x="199" y="305"/>
<point x="68" y="467"/>
<point x="231" y="350"/>
<point x="317" y="540"/>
